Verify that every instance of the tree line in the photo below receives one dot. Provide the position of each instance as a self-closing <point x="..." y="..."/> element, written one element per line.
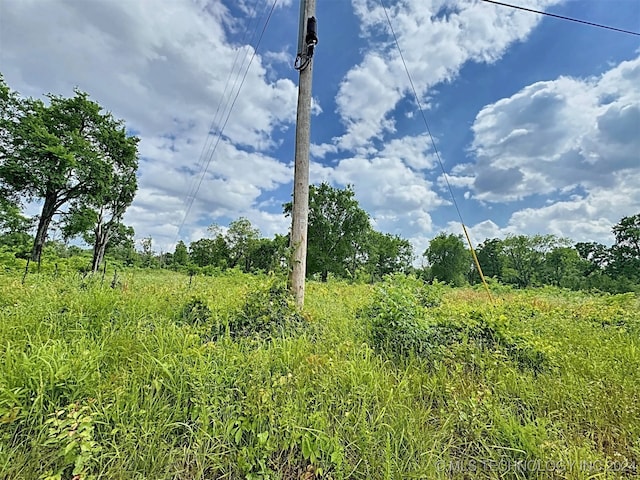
<point x="341" y="242"/>
<point x="524" y="261"/>
<point x="80" y="164"/>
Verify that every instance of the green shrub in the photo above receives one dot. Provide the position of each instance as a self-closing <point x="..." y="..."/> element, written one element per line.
<point x="268" y="311"/>
<point x="397" y="314"/>
<point x="403" y="323"/>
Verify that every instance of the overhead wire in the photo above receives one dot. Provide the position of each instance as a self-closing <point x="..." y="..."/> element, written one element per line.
<point x="215" y="121"/>
<point x="562" y="17"/>
<point x="436" y="151"/>
<point x="209" y="139"/>
<point x="226" y="120"/>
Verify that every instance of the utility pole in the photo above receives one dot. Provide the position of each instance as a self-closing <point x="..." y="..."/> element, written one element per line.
<point x="307" y="40"/>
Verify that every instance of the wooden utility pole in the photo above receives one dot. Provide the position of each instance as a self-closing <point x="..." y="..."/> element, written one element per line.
<point x="307" y="40"/>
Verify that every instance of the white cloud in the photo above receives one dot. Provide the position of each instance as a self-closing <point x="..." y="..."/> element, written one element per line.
<point x="164" y="67"/>
<point x="390" y="184"/>
<point x="557" y="135"/>
<point x="579" y="138"/>
<point x="437" y="39"/>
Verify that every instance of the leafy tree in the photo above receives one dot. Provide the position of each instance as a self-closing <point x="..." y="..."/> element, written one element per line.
<point x="268" y="254"/>
<point x="597" y="255"/>
<point x="210" y="251"/>
<point x="626" y="251"/>
<point x="10" y="113"/>
<point x="65" y="152"/>
<point x="147" y="254"/>
<point x="448" y="258"/>
<point x="121" y="245"/>
<point x="524" y="257"/>
<point x="241" y="237"/>
<point x="14" y="229"/>
<point x="338" y="229"/>
<point x="387" y="254"/>
<point x="13" y="225"/>
<point x="627" y="233"/>
<point x="491" y="258"/>
<point x="180" y="254"/>
<point x="561" y="266"/>
<point x="11" y="218"/>
<point x="111" y="204"/>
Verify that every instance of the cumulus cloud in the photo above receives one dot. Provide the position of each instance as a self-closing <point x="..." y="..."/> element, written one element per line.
<point x="556" y="138"/>
<point x="558" y="135"/>
<point x="391" y="184"/>
<point x="167" y="69"/>
<point x="437" y="38"/>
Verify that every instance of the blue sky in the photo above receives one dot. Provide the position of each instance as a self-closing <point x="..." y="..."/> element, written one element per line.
<point x="537" y="120"/>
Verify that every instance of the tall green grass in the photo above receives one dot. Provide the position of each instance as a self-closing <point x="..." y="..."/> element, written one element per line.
<point x="147" y="380"/>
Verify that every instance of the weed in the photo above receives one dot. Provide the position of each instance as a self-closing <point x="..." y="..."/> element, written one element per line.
<point x="421" y="375"/>
<point x="195" y="312"/>
<point x="70" y="441"/>
<point x="269" y="310"/>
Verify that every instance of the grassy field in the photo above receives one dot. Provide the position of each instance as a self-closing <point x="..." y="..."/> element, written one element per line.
<point x="160" y="379"/>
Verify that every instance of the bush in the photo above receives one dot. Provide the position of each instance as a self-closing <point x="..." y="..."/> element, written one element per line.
<point x="402" y="326"/>
<point x="397" y="316"/>
<point x="269" y="310"/>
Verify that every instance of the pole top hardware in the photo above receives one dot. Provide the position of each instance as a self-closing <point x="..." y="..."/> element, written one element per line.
<point x="311" y="40"/>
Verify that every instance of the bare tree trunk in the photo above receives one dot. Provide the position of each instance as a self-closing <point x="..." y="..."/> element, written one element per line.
<point x="102" y="233"/>
<point x="48" y="211"/>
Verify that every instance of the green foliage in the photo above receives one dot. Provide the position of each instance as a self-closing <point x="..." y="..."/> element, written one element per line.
<point x="181" y="254"/>
<point x="540" y="375"/>
<point x="66" y="152"/>
<point x="402" y="326"/>
<point x="491" y="258"/>
<point x="626" y="252"/>
<point x="210" y="252"/>
<point x="449" y="259"/>
<point x="241" y="237"/>
<point x="387" y="254"/>
<point x="11" y="219"/>
<point x="269" y="255"/>
<point x="269" y="310"/>
<point x="195" y="312"/>
<point x="71" y="443"/>
<point x="398" y="316"/>
<point x="337" y="231"/>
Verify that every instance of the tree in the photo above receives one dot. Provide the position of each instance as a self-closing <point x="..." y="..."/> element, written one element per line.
<point x="99" y="218"/>
<point x="268" y="254"/>
<point x="627" y="233"/>
<point x="11" y="218"/>
<point x="210" y="251"/>
<point x="561" y="265"/>
<point x="524" y="257"/>
<point x="180" y="254"/>
<point x="66" y="152"/>
<point x="597" y="256"/>
<point x="490" y="257"/>
<point x="626" y="251"/>
<point x="448" y="258"/>
<point x="121" y="245"/>
<point x="337" y="230"/>
<point x="241" y="237"/>
<point x="387" y="254"/>
<point x="111" y="204"/>
<point x="14" y="228"/>
<point x="147" y="254"/>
